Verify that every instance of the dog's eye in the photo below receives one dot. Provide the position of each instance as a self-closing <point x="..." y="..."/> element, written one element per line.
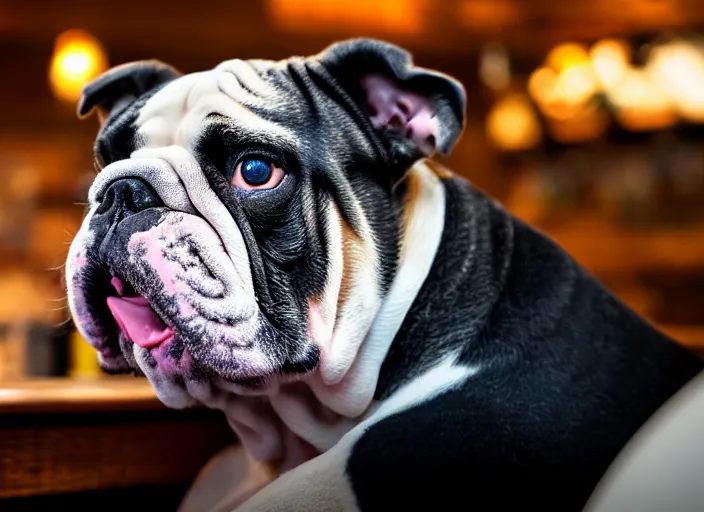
<point x="256" y="174"/>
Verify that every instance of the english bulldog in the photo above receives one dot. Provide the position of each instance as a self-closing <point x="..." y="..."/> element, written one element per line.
<point x="274" y="240"/>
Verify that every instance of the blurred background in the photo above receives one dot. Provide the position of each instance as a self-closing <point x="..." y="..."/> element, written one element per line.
<point x="586" y="119"/>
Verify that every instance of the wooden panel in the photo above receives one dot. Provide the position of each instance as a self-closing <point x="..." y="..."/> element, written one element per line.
<point x="39" y="455"/>
<point x="65" y="435"/>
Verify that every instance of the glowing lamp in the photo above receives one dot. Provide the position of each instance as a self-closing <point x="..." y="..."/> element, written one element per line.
<point x="541" y="84"/>
<point x="77" y="59"/>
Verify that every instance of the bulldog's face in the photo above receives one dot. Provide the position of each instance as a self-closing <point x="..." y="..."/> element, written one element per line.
<point x="246" y="219"/>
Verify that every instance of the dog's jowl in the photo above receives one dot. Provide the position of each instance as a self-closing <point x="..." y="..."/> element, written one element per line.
<point x="271" y="239"/>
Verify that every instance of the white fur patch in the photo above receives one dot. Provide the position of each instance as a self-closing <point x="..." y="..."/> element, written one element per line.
<point x="322" y="333"/>
<point x="350" y="397"/>
<point x="175" y="114"/>
<point x="321" y="484"/>
<point x="209" y="205"/>
<point x="360" y="307"/>
<point x="353" y="393"/>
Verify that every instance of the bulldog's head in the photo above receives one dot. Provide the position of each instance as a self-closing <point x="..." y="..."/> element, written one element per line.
<point x="246" y="220"/>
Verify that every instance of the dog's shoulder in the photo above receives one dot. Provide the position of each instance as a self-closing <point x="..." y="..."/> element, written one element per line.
<point x="501" y="291"/>
<point x="458" y="445"/>
<point x="549" y="348"/>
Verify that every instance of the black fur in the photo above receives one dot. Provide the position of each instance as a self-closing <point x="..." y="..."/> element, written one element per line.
<point x="567" y="374"/>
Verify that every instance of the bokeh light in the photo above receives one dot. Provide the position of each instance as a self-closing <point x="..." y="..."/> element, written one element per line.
<point x="512" y="124"/>
<point x="677" y="69"/>
<point x="566" y="55"/>
<point x="610" y="58"/>
<point x="640" y="104"/>
<point x="78" y="58"/>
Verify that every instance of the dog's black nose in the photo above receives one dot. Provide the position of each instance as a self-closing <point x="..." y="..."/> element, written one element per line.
<point x="126" y="197"/>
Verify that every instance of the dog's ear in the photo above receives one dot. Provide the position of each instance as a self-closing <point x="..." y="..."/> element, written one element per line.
<point x="121" y="85"/>
<point x="382" y="78"/>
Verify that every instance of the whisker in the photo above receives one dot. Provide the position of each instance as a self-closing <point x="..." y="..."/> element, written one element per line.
<point x="63" y="323"/>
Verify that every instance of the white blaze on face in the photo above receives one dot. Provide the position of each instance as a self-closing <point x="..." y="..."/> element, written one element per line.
<point x="172" y="120"/>
<point x="175" y="114"/>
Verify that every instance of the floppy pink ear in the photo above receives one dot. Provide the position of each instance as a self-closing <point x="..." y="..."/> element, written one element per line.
<point x="382" y="78"/>
<point x="391" y="107"/>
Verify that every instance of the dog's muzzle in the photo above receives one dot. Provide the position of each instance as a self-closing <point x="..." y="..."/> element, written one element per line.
<point x="159" y="279"/>
<point x="132" y="312"/>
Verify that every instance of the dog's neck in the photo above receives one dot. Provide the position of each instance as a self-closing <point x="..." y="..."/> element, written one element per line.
<point x="324" y="412"/>
<point x="423" y="222"/>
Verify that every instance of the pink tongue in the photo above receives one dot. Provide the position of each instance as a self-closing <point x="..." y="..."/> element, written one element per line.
<point x="137" y="319"/>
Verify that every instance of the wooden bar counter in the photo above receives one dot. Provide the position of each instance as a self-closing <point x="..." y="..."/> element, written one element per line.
<point x="99" y="444"/>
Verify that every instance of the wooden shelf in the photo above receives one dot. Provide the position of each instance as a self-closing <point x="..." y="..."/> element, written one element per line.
<point x="54" y="395"/>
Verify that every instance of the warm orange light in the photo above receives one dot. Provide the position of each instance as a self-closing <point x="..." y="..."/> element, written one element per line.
<point x="640" y="104"/>
<point x="565" y="84"/>
<point x="576" y="84"/>
<point x="610" y="60"/>
<point x="562" y="95"/>
<point x="567" y="55"/>
<point x="541" y="84"/>
<point x="393" y="16"/>
<point x="494" y="67"/>
<point x="78" y="58"/>
<point x="482" y="15"/>
<point x="512" y="125"/>
<point x="678" y="70"/>
<point x="586" y="123"/>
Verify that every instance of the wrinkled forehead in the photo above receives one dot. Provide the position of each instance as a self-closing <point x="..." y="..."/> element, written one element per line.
<point x="250" y="94"/>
